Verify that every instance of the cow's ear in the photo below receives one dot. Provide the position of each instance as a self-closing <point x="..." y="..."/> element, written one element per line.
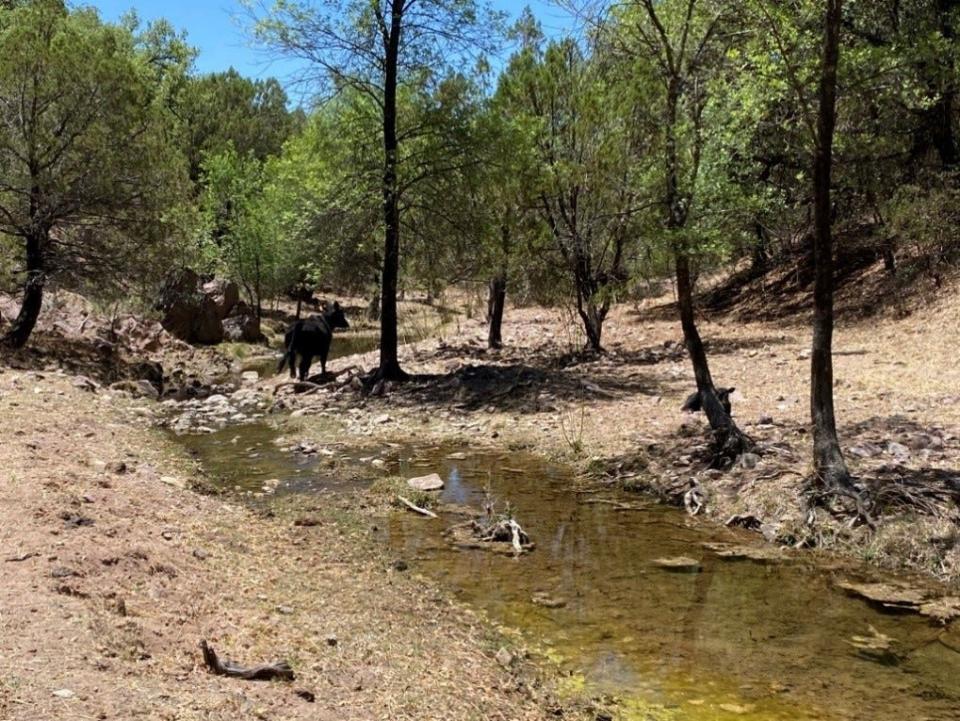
<point x="730" y="390"/>
<point x="336" y="305"/>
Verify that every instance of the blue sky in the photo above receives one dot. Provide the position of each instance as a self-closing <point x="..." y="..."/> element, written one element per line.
<point x="215" y="28"/>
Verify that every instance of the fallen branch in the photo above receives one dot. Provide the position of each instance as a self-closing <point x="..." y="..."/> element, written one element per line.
<point x="266" y="672"/>
<point x="21" y="557"/>
<point x="415" y="508"/>
<point x="307" y="386"/>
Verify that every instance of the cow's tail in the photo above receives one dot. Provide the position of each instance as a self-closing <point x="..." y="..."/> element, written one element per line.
<point x="289" y="354"/>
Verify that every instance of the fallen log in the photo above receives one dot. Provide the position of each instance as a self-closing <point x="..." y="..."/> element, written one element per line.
<point x="415" y="508"/>
<point x="266" y="672"/>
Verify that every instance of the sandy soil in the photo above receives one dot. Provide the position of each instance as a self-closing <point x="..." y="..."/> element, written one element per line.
<point x="113" y="571"/>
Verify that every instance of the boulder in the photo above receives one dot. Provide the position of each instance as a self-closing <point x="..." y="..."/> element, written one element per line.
<point x="243" y="328"/>
<point x="189" y="314"/>
<point x="225" y="293"/>
<point x="433" y="482"/>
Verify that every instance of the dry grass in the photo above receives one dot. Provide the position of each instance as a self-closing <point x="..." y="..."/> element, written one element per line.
<point x="112" y="611"/>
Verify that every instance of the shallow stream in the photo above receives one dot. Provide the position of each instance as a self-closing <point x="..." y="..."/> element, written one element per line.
<point x="739" y="639"/>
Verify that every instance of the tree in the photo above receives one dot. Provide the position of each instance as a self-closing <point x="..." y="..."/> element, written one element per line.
<point x="376" y="47"/>
<point x="582" y="191"/>
<point x="220" y="110"/>
<point x="89" y="171"/>
<point x="674" y="49"/>
<point x="242" y="238"/>
<point x="791" y="36"/>
<point x="828" y="460"/>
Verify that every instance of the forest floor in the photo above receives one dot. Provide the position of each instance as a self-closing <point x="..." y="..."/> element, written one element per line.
<point x="114" y="569"/>
<point x="617" y="416"/>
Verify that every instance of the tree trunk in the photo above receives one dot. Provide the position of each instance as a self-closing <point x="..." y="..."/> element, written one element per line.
<point x="22" y="327"/>
<point x="592" y="319"/>
<point x="730" y="440"/>
<point x="828" y="460"/>
<point x="761" y="251"/>
<point x="498" y="295"/>
<point x="389" y="363"/>
<point x="941" y="118"/>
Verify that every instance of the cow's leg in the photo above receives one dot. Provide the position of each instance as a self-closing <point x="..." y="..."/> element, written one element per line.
<point x="293" y="364"/>
<point x="305" y="362"/>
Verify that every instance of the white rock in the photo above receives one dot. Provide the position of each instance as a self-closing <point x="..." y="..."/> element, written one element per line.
<point x="433" y="482"/>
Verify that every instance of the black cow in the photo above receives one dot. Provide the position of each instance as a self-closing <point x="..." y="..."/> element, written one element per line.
<point x="311" y="337"/>
<point x="693" y="403"/>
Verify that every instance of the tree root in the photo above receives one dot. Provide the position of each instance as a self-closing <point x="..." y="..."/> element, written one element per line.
<point x="266" y="672"/>
<point x="831" y="496"/>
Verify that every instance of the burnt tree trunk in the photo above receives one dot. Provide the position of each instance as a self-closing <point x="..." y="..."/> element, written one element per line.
<point x="389" y="362"/>
<point x="495" y="303"/>
<point x="828" y="460"/>
<point x="26" y="319"/>
<point x="730" y="441"/>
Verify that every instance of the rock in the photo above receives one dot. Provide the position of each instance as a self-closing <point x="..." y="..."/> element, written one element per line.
<point x="225" y="295"/>
<point x="331" y="639"/>
<point x="400" y="565"/>
<point x="118" y="467"/>
<point x="306" y="695"/>
<point x="381" y="419"/>
<point x="285" y="610"/>
<point x="433" y="482"/>
<point x="865" y="450"/>
<point x="250" y="377"/>
<point x="63" y="693"/>
<point x="244" y="328"/>
<point x="898" y="450"/>
<point x="679" y="564"/>
<point x="189" y="314"/>
<point x="86" y="384"/>
<point x="765" y="420"/>
<point x="138" y="389"/>
<point x="548" y="601"/>
<point x="504" y="657"/>
<point x="749" y="460"/>
<point x="200" y="554"/>
<point x="888" y="595"/>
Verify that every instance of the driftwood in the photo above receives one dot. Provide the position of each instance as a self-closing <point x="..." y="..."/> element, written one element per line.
<point x="265" y="672"/>
<point x="415" y="508"/>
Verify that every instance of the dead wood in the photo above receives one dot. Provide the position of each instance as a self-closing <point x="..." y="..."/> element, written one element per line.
<point x="21" y="557"/>
<point x="306" y="386"/>
<point x="415" y="508"/>
<point x="266" y="672"/>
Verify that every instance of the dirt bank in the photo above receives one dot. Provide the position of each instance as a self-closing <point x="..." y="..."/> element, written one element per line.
<point x="113" y="571"/>
<point x="618" y="415"/>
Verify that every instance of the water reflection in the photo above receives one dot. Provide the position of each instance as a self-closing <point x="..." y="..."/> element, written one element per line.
<point x="737" y="640"/>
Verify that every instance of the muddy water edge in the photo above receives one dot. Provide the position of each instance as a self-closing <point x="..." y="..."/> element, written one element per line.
<point x="722" y="638"/>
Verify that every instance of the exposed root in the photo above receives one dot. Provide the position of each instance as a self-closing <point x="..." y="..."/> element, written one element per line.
<point x="852" y="502"/>
<point x="266" y="672"/>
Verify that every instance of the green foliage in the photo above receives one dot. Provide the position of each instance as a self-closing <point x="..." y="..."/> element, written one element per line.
<point x="88" y="160"/>
<point x="223" y="110"/>
<point x="241" y="239"/>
